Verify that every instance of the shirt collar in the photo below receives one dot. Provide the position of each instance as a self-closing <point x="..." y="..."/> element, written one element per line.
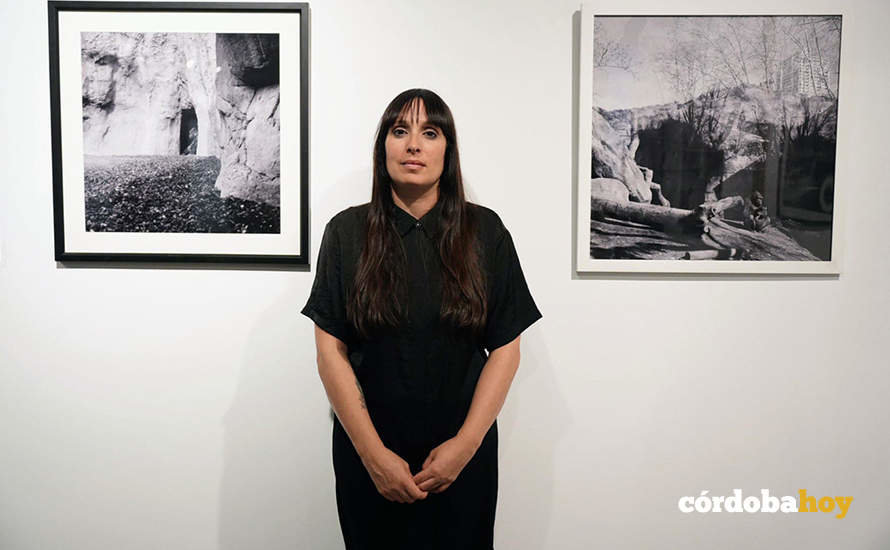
<point x="429" y="222"/>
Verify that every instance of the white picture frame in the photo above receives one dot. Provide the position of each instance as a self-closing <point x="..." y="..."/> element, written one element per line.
<point x="588" y="262"/>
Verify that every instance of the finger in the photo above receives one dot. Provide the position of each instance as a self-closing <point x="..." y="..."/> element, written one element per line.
<point x="399" y="494"/>
<point x="422" y="476"/>
<point x="441" y="488"/>
<point x="415" y="492"/>
<point x="428" y="485"/>
<point x="409" y="491"/>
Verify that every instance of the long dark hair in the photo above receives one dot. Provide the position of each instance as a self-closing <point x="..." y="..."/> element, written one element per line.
<point x="378" y="288"/>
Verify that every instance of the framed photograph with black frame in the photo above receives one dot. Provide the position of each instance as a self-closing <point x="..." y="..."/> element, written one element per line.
<point x="708" y="144"/>
<point x="180" y="131"/>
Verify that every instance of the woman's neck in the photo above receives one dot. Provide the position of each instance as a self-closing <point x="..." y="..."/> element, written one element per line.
<point x="415" y="200"/>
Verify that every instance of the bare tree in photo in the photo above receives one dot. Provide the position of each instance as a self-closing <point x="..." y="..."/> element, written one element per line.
<point x="766" y="50"/>
<point x="681" y="64"/>
<point x="816" y="39"/>
<point x="609" y="52"/>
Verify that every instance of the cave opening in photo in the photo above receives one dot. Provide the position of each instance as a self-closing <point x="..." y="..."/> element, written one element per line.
<point x="684" y="160"/>
<point x="188" y="132"/>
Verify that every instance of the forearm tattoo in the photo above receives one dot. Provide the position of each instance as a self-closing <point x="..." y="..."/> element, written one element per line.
<point x="361" y="394"/>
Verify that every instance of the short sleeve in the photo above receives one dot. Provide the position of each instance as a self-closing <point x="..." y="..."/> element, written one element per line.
<point x="511" y="306"/>
<point x="326" y="305"/>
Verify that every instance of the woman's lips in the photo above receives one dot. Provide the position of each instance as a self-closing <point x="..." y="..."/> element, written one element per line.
<point x="414" y="164"/>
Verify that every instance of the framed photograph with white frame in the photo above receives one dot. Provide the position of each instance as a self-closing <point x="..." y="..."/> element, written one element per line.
<point x="708" y="144"/>
<point x="180" y="131"/>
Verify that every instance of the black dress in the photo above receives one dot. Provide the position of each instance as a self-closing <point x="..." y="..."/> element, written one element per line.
<point x="418" y="381"/>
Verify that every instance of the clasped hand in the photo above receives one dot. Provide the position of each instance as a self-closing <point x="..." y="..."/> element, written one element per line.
<point x="392" y="475"/>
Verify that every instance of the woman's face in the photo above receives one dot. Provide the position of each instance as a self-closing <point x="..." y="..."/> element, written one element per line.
<point x="415" y="150"/>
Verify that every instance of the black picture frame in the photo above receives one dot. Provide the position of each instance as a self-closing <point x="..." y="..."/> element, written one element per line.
<point x="288" y="246"/>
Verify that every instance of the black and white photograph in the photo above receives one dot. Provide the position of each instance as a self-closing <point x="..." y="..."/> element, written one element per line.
<point x="182" y="131"/>
<point x="713" y="138"/>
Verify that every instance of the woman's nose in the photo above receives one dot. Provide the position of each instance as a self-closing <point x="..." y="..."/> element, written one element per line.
<point x="413" y="144"/>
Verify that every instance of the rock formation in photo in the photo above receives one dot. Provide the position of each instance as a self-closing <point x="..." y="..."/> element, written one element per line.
<point x="187" y="93"/>
<point x="715" y="158"/>
<point x="612" y="159"/>
<point x="737" y="122"/>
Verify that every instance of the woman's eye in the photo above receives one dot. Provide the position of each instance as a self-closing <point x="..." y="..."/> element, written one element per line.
<point x="398" y="132"/>
<point x="432" y="134"/>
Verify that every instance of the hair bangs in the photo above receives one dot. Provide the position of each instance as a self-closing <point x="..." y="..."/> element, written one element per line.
<point x="407" y="107"/>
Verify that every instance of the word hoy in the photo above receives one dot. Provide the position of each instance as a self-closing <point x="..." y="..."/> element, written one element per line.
<point x="766" y="503"/>
<point x="825" y="504"/>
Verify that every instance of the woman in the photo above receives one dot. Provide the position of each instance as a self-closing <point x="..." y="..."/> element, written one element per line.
<point x="411" y="289"/>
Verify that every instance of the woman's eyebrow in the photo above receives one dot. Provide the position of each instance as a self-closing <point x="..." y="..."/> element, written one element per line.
<point x="421" y="123"/>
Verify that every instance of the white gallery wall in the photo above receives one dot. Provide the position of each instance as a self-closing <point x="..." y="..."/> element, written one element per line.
<point x="150" y="407"/>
